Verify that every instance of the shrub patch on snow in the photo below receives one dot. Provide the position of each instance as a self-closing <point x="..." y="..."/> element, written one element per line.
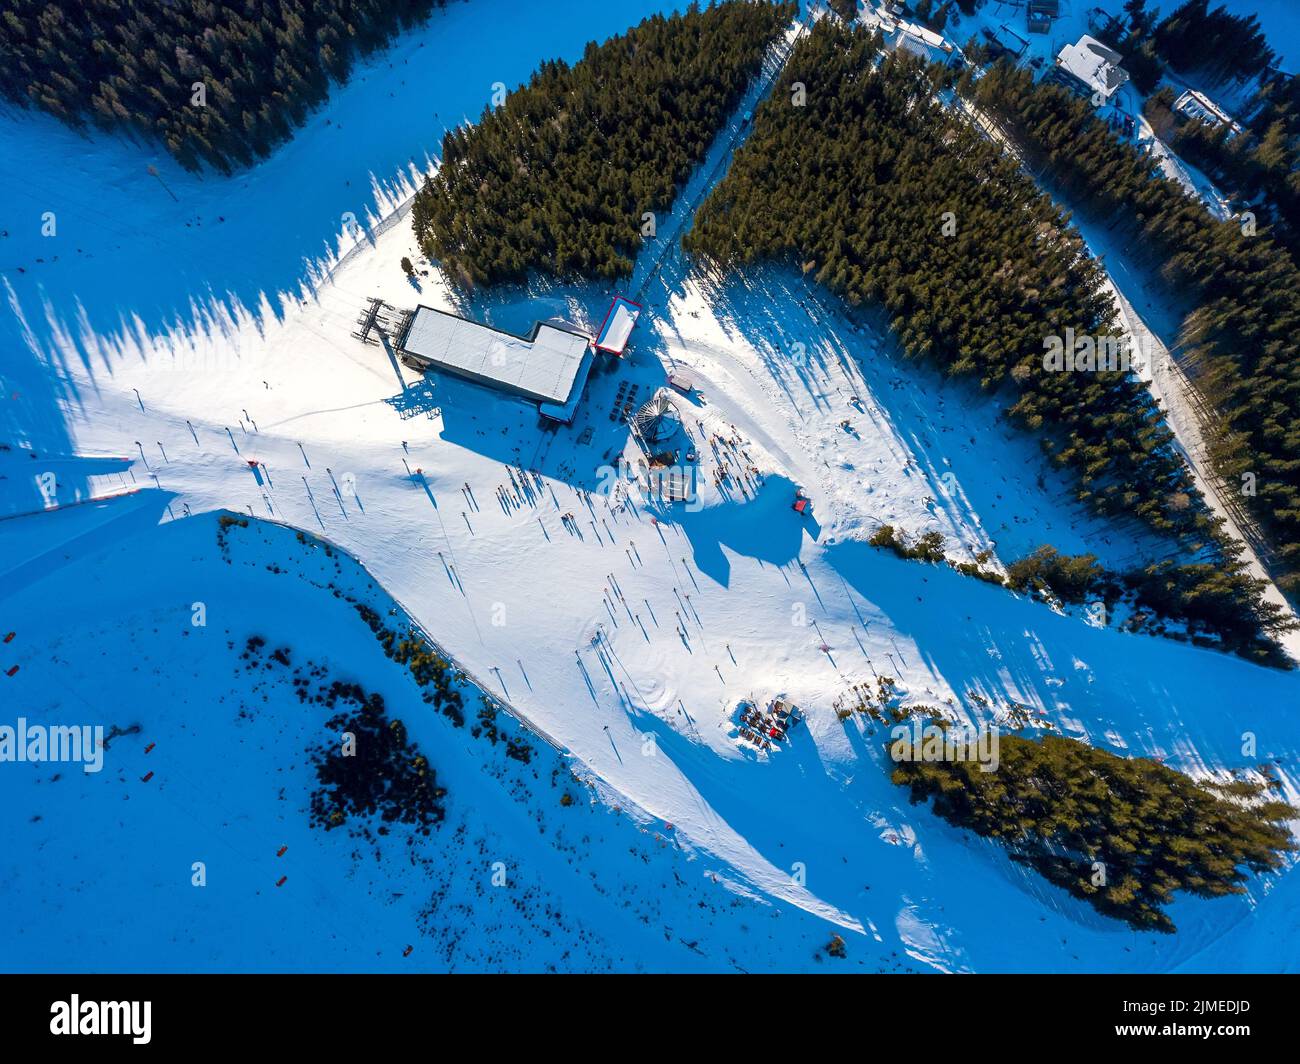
<point x="370" y="767"/>
<point x="383" y="775"/>
<point x="431" y="670"/>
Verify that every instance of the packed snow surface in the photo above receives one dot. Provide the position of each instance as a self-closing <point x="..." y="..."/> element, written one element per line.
<point x="625" y="630"/>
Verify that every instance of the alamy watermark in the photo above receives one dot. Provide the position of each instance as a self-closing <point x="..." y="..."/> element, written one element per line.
<point x="666" y="483"/>
<point x="915" y="740"/>
<point x="39" y="743"/>
<point x="77" y="1017"/>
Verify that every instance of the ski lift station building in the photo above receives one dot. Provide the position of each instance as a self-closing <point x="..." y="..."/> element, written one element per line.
<point x="549" y="366"/>
<point x="617" y="327"/>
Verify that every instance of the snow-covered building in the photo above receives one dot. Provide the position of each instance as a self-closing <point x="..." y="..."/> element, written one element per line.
<point x="549" y="366"/>
<point x="617" y="327"/>
<point x="918" y="40"/>
<point x="1089" y="67"/>
<point x="1194" y="104"/>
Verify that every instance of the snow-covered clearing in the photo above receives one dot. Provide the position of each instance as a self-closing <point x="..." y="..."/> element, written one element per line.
<point x="517" y="877"/>
<point x="627" y="633"/>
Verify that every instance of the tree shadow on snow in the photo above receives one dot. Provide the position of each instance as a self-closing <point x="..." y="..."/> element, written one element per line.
<point x="765" y="528"/>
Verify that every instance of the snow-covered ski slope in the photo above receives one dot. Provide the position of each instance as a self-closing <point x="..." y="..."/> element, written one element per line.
<point x="627" y="632"/>
<point x="531" y="869"/>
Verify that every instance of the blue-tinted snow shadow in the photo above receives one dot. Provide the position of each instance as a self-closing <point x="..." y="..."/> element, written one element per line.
<point x="764" y="527"/>
<point x="33" y="387"/>
<point x="34" y="544"/>
<point x="1141" y="696"/>
<point x="1167" y="697"/>
<point x="128" y="243"/>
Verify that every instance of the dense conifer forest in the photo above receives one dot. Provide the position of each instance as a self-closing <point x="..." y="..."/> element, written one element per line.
<point x="1213" y="42"/>
<point x="263" y="65"/>
<point x="878" y="192"/>
<point x="1241" y="293"/>
<point x="559" y="176"/>
<point x="1123" y="834"/>
<point x="1208" y="45"/>
<point x="856" y="187"/>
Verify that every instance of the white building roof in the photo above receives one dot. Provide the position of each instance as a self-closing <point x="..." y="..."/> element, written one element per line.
<point x="913" y="37"/>
<point x="565" y="411"/>
<point x="904" y="41"/>
<point x="1092" y="63"/>
<point x="1198" y="105"/>
<point x="926" y="36"/>
<point x="618" y="325"/>
<point x="543" y="367"/>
